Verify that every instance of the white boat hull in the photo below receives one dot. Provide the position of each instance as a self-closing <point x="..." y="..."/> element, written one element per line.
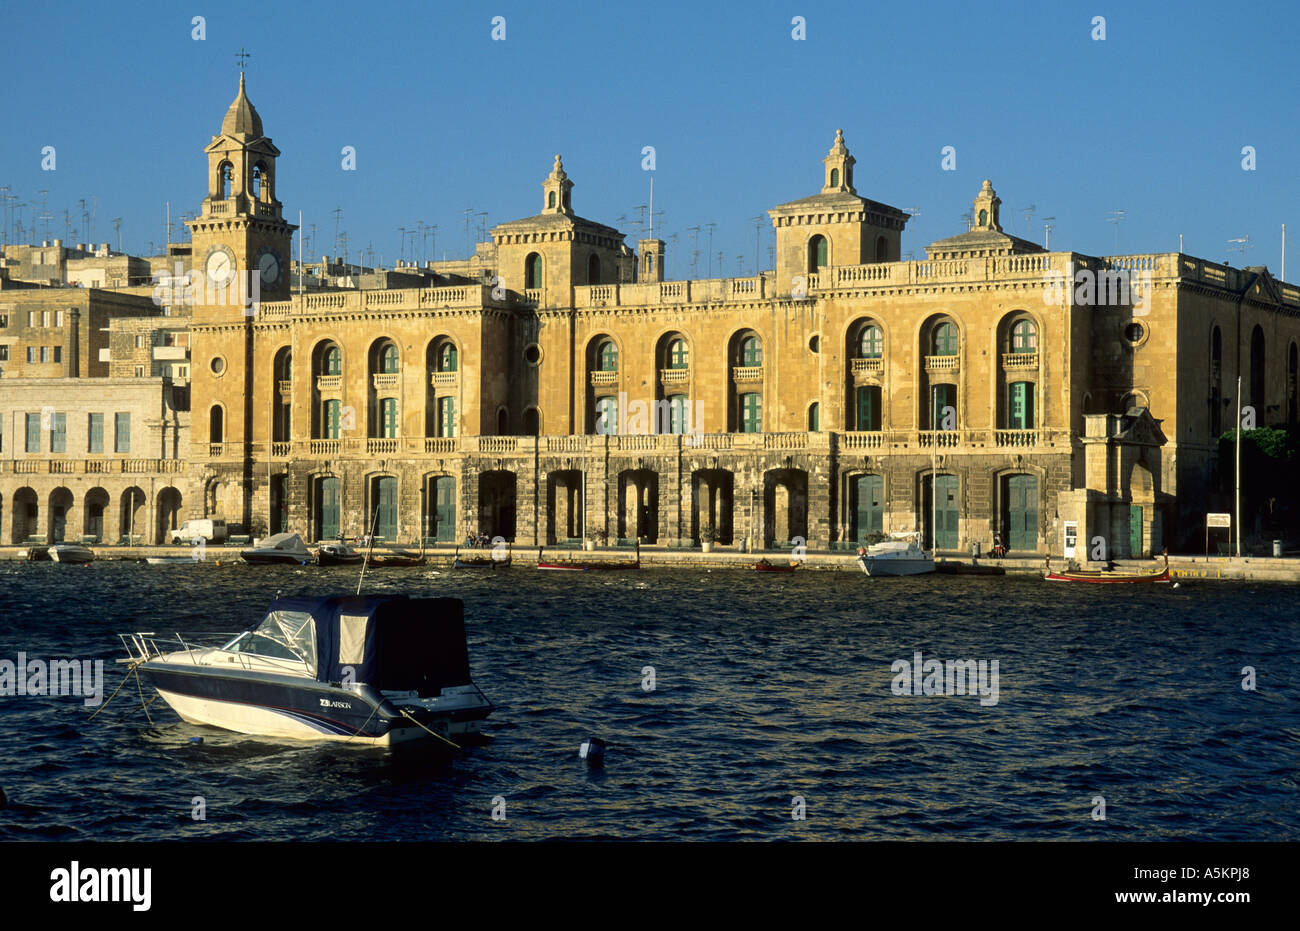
<point x="71" y="553"/>
<point x="265" y="722"/>
<point x="895" y="566"/>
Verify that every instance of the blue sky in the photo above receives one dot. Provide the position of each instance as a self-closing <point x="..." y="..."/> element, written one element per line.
<point x="1152" y="120"/>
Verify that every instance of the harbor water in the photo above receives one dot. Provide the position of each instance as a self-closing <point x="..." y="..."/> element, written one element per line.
<point x="733" y="705"/>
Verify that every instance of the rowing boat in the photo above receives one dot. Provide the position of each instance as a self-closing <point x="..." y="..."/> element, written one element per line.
<point x="1105" y="576"/>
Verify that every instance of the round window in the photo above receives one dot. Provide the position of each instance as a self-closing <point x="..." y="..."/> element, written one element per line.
<point x="532" y="354"/>
<point x="815" y="344"/>
<point x="1134" y="333"/>
<point x="218" y="365"/>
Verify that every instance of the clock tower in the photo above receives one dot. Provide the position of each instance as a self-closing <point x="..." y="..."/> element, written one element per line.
<point x="238" y="237"/>
<point x="240" y="230"/>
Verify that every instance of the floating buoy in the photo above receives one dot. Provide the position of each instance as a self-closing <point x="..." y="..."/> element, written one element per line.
<point x="593" y="751"/>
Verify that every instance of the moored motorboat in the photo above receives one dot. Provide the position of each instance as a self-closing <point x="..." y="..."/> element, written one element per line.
<point x="278" y="549"/>
<point x="338" y="554"/>
<point x="764" y="566"/>
<point x="961" y="568"/>
<point x="394" y="559"/>
<point x="170" y="560"/>
<point x="900" y="555"/>
<point x="71" y="553"/>
<point x="1105" y="576"/>
<point x="496" y="559"/>
<point x="367" y="670"/>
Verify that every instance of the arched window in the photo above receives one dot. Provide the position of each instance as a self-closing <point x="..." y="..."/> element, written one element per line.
<point x="607" y="356"/>
<point x="1257" y="399"/>
<point x="835" y="177"/>
<point x="332" y="362"/>
<point x="817" y="253"/>
<point x="871" y="345"/>
<point x="550" y="199"/>
<point x="593" y="270"/>
<point x="532" y="422"/>
<point x="532" y="271"/>
<point x="751" y="352"/>
<point x="679" y="355"/>
<point x="216" y="424"/>
<point x="984" y="217"/>
<point x="447" y="357"/>
<point x="945" y="340"/>
<point x="225" y="175"/>
<point x="388" y="360"/>
<point x="814" y="417"/>
<point x="1024" y="336"/>
<point x="257" y="181"/>
<point x="882" y="249"/>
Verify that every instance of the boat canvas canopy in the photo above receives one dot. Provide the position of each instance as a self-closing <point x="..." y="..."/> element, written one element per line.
<point x="392" y="642"/>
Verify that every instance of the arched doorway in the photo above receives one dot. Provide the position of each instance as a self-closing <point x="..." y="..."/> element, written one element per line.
<point x="96" y="507"/>
<point x="133" y="520"/>
<point x="169" y="513"/>
<point x="60" y="507"/>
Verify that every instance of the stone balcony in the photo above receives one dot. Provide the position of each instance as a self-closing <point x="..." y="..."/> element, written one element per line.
<point x="1019" y="361"/>
<point x="746" y="373"/>
<point x="385" y="380"/>
<point x="675" y="378"/>
<point x="444" y="379"/>
<point x="604" y="379"/>
<point x="867" y="369"/>
<point x="942" y="364"/>
<point x="329" y="383"/>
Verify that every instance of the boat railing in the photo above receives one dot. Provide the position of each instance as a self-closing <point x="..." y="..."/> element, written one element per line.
<point x="144" y="646"/>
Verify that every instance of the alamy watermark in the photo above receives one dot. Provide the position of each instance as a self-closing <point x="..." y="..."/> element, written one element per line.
<point x="59" y="677"/>
<point x="932" y="676"/>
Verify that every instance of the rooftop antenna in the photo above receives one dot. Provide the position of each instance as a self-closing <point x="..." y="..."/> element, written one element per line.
<point x="711" y="227"/>
<point x="338" y="215"/>
<point x="45" y="216"/>
<point x="758" y="235"/>
<point x="433" y="233"/>
<point x="1115" y="217"/>
<point x="482" y="226"/>
<point x="969" y="218"/>
<point x="469" y="212"/>
<point x="640" y="222"/>
<point x="1047" y="232"/>
<point x="311" y="240"/>
<point x="117" y="228"/>
<point x="695" y="251"/>
<point x="1028" y="212"/>
<point x="401" y="231"/>
<point x="652" y="205"/>
<point x="1241" y="245"/>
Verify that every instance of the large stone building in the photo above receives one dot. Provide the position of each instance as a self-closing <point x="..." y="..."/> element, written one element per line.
<point x="555" y="386"/>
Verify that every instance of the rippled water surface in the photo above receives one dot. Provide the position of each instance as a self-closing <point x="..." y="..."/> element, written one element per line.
<point x="768" y="687"/>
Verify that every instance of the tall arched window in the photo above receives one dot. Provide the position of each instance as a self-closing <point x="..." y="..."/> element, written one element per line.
<point x="332" y="362"/>
<point x="532" y="271"/>
<point x="835" y="177"/>
<point x="751" y="352"/>
<point x="607" y="356"/>
<point x="388" y="360"/>
<point x="882" y="249"/>
<point x="225" y="175"/>
<point x="1024" y="336"/>
<point x="257" y="181"/>
<point x="945" y="340"/>
<point x="447" y="357"/>
<point x="216" y="424"/>
<point x="1257" y="398"/>
<point x="550" y="199"/>
<point x="593" y="270"/>
<point x="871" y="344"/>
<point x="679" y="355"/>
<point x="817" y="253"/>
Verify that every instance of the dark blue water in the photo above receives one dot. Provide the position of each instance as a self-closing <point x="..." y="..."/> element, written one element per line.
<point x="768" y="687"/>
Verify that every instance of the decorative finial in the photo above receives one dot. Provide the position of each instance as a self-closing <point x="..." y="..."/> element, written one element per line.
<point x="243" y="57"/>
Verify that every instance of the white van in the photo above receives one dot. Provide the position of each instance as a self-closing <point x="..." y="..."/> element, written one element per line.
<point x="209" y="531"/>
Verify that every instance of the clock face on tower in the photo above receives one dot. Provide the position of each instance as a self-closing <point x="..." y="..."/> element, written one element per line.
<point x="269" y="265"/>
<point x="219" y="266"/>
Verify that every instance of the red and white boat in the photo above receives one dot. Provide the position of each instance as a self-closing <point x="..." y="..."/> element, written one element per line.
<point x="1105" y="576"/>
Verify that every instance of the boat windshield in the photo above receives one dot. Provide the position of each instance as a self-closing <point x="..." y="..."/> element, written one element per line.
<point x="282" y="635"/>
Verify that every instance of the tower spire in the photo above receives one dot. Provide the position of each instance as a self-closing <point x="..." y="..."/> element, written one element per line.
<point x="839" y="167"/>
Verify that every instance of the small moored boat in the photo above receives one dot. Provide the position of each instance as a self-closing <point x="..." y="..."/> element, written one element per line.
<point x="366" y="670"/>
<point x="900" y="555"/>
<point x="280" y="548"/>
<point x="170" y="560"/>
<point x="764" y="566"/>
<point x="1105" y="576"/>
<point x="338" y="554"/>
<point x="71" y="553"/>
